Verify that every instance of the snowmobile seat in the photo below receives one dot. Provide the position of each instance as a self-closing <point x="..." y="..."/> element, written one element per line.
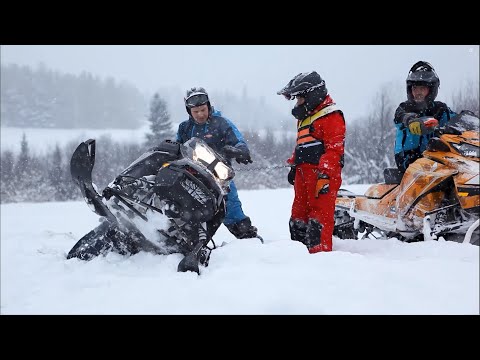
<point x="153" y="159"/>
<point x="169" y="147"/>
<point x="392" y="176"/>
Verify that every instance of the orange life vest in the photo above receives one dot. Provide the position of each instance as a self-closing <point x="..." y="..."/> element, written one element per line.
<point x="304" y="126"/>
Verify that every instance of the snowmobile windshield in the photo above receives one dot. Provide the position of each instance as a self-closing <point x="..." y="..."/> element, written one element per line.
<point x="465" y="121"/>
<point x="197" y="150"/>
<point x="467" y="150"/>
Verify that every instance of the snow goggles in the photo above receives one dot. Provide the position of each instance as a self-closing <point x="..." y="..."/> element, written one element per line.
<point x="196" y="99"/>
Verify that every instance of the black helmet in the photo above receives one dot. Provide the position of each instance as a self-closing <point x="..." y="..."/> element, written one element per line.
<point x="423" y="74"/>
<point x="309" y="85"/>
<point x="196" y="96"/>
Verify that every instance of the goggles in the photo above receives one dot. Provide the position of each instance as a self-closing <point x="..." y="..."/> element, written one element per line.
<point x="196" y="99"/>
<point x="292" y="97"/>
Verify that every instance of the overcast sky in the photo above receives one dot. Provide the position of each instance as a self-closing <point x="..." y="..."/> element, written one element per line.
<point x="353" y="73"/>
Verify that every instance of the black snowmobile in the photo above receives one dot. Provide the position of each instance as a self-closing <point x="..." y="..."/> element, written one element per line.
<point x="170" y="200"/>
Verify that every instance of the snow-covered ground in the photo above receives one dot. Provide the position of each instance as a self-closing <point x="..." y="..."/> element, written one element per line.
<point x="43" y="140"/>
<point x="244" y="277"/>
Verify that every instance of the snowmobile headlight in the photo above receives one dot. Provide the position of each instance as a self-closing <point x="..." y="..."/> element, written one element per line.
<point x="207" y="157"/>
<point x="222" y="171"/>
<point x="467" y="150"/>
<point x="203" y="154"/>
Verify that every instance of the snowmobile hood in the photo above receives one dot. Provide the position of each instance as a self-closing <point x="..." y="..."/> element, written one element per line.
<point x="427" y="166"/>
<point x="471" y="137"/>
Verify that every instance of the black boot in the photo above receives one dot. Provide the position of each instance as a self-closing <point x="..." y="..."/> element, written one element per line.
<point x="298" y="230"/>
<point x="313" y="234"/>
<point x="243" y="229"/>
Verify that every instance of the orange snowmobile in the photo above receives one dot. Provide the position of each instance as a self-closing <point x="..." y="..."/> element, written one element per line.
<point x="438" y="196"/>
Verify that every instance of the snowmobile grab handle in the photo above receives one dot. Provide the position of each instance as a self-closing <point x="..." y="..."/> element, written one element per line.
<point x="430" y="122"/>
<point x="427" y="124"/>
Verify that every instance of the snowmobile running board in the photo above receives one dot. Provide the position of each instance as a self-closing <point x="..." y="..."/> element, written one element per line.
<point x="428" y="234"/>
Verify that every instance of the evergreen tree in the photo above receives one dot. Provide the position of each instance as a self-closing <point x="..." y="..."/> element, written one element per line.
<point x="7" y="177"/>
<point x="56" y="174"/>
<point x="28" y="183"/>
<point x="22" y="166"/>
<point x="160" y="124"/>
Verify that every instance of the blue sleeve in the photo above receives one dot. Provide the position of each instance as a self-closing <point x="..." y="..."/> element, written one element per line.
<point x="448" y="114"/>
<point x="234" y="136"/>
<point x="451" y="112"/>
<point x="179" y="132"/>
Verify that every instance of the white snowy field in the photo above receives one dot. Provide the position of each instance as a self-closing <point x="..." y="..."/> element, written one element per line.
<point x="42" y="141"/>
<point x="244" y="277"/>
<point x="45" y="140"/>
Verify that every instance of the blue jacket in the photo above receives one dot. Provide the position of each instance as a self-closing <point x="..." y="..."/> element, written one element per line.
<point x="404" y="139"/>
<point x="217" y="132"/>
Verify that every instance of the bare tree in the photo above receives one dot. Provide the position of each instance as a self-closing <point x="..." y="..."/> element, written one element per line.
<point x="369" y="144"/>
<point x="468" y="98"/>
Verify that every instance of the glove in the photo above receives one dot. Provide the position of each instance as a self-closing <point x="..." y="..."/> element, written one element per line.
<point x="323" y="184"/>
<point x="244" y="159"/>
<point x="415" y="126"/>
<point x="231" y="151"/>
<point x="407" y="117"/>
<point x="291" y="175"/>
<point x="241" y="156"/>
<point x="423" y="125"/>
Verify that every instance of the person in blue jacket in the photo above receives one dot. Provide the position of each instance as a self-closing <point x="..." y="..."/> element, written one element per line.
<point x="222" y="135"/>
<point x="415" y="118"/>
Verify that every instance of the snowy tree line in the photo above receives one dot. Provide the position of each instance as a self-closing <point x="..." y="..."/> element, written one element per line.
<point x="43" y="98"/>
<point x="31" y="177"/>
<point x="48" y="99"/>
<point x="368" y="150"/>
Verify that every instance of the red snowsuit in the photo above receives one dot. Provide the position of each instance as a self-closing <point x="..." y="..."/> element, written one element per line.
<point x="319" y="150"/>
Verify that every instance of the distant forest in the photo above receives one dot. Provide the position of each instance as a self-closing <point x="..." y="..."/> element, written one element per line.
<point x="27" y="176"/>
<point x="43" y="98"/>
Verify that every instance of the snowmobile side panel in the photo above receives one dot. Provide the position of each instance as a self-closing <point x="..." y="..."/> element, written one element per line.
<point x="468" y="196"/>
<point x="388" y="223"/>
<point x="420" y="178"/>
<point x="379" y="191"/>
<point x="344" y="203"/>
<point x="195" y="202"/>
<point x="346" y="193"/>
<point x="383" y="206"/>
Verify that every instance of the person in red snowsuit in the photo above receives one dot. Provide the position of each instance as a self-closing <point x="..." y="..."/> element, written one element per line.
<point x="317" y="161"/>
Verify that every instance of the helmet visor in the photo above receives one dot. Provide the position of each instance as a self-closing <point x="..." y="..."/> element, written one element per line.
<point x="196" y="99"/>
